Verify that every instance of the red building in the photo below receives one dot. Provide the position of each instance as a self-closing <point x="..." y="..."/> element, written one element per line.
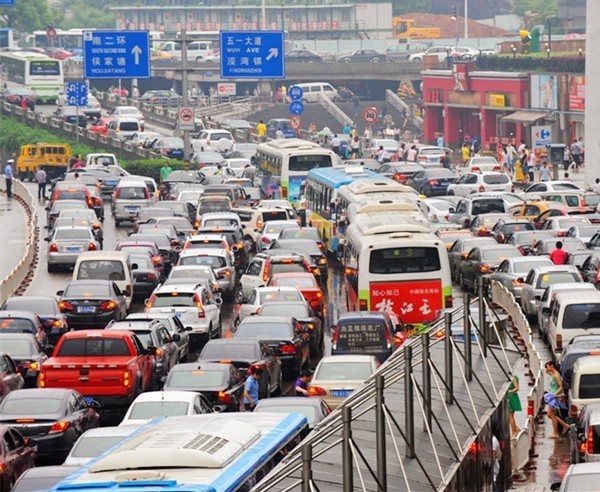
<point x="463" y="103"/>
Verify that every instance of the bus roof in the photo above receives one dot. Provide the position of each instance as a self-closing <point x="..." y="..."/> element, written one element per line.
<point x="382" y="206"/>
<point x="27" y="55"/>
<point x="372" y="224"/>
<point x="335" y="177"/>
<point x="217" y="451"/>
<point x="290" y="144"/>
<point x="360" y="240"/>
<point x="376" y="185"/>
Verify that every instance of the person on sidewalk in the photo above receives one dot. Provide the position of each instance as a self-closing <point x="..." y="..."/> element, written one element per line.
<point x="42" y="178"/>
<point x="553" y="397"/>
<point x="545" y="172"/>
<point x="514" y="405"/>
<point x="8" y="175"/>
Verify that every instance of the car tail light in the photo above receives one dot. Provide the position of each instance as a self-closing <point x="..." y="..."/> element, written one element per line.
<point x="284" y="192"/>
<point x="316" y="391"/>
<point x="484" y="269"/>
<point x="34" y="366"/>
<point x="434" y="182"/>
<point x="58" y="427"/>
<point x="400" y="177"/>
<point x="559" y="342"/>
<point x="520" y="248"/>
<point x="196" y="224"/>
<point x="561" y="233"/>
<point x="175" y="243"/>
<point x="224" y="274"/>
<point x="481" y="189"/>
<point x="92" y="247"/>
<point x="146" y="193"/>
<point x="362" y="305"/>
<point x="151" y="276"/>
<point x="388" y="340"/>
<point x="287" y="349"/>
<point x="500" y="238"/>
<point x="157" y="259"/>
<point x="97" y="202"/>
<point x="201" y="313"/>
<point x="266" y="273"/>
<point x="117" y="193"/>
<point x="482" y="231"/>
<point x="53" y="248"/>
<point x="107" y="306"/>
<point x="322" y="261"/>
<point x="126" y="379"/>
<point x="42" y="380"/>
<point x="449" y="301"/>
<point x="224" y="397"/>
<point x="512" y="188"/>
<point x="265" y="240"/>
<point x="254" y="366"/>
<point x="65" y="306"/>
<point x="475" y="169"/>
<point x="497" y="168"/>
<point x="517" y="282"/>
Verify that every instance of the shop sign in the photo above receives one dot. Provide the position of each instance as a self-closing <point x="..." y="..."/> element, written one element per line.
<point x="577" y="93"/>
<point x="544" y="92"/>
<point x="460" y="74"/>
<point x="497" y="100"/>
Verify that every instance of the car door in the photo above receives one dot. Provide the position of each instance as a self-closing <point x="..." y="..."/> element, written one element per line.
<point x="168" y="346"/>
<point x="87" y="416"/>
<point x="236" y="385"/>
<point x="23" y="455"/>
<point x="212" y="311"/>
<point x="180" y="330"/>
<point x="501" y="275"/>
<point x="470" y="264"/>
<point x="10" y="375"/>
<point x="249" y="305"/>
<point x="121" y="302"/>
<point x="417" y="179"/>
<point x="458" y="188"/>
<point x="589" y="269"/>
<point x="253" y="277"/>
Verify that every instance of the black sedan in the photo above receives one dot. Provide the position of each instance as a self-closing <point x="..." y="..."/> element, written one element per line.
<point x="288" y="339"/>
<point x="17" y="455"/>
<point x="318" y="260"/>
<point x="244" y="353"/>
<point x="221" y="383"/>
<point x="171" y="147"/>
<point x="46" y="307"/>
<point x="482" y="261"/>
<point x="432" y="182"/>
<point x="26" y="353"/>
<point x="302" y="56"/>
<point x="146" y="277"/>
<point x="55" y="418"/>
<point x="364" y="55"/>
<point x="304" y="314"/>
<point x="92" y="303"/>
<point x="23" y="322"/>
<point x="402" y="172"/>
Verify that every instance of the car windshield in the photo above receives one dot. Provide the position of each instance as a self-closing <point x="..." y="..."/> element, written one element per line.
<point x="197" y="378"/>
<point x="39" y="306"/>
<point x="101" y="270"/>
<point x="581" y="316"/>
<point x="228" y="351"/>
<point x="280" y="295"/>
<point x="287" y="268"/>
<point x="17" y="324"/>
<point x="498" y="255"/>
<point x="132" y="193"/>
<point x="487" y="206"/>
<point x="30" y="406"/>
<point x="90" y="447"/>
<point x="94" y="347"/>
<point x="72" y="234"/>
<point x="301" y="234"/>
<point x="496" y="179"/>
<point x="271" y="228"/>
<point x="87" y="290"/>
<point x="265" y="331"/>
<point x="569" y="222"/>
<point x="18" y="348"/>
<point x="404" y="260"/>
<point x="521" y="226"/>
<point x="214" y="206"/>
<point x="174" y="299"/>
<point x="211" y="261"/>
<point x="146" y="410"/>
<point x="298" y="311"/>
<point x="185" y="273"/>
<point x="525" y="266"/>
<point x="336" y="371"/>
<point x="300" y="282"/>
<point x="551" y="278"/>
<point x="220" y="222"/>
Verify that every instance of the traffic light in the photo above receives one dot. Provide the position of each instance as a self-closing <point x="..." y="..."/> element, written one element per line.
<point x="454" y="12"/>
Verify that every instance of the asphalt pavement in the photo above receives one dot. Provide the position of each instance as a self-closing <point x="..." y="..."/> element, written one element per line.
<point x="12" y="233"/>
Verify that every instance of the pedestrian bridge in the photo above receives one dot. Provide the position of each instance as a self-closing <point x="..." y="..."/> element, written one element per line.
<point x="425" y="420"/>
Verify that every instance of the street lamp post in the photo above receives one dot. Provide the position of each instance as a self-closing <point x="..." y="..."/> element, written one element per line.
<point x="466" y="19"/>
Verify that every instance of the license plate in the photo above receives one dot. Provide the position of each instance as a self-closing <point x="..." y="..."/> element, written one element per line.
<point x="132" y="209"/>
<point x="341" y="393"/>
<point x="73" y="249"/>
<point x="86" y="309"/>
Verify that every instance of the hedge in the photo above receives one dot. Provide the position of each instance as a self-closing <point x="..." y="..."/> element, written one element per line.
<point x="14" y="134"/>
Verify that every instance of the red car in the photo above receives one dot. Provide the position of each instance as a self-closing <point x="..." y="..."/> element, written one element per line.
<point x="58" y="53"/>
<point x="16" y="456"/>
<point x="100" y="126"/>
<point x="306" y="283"/>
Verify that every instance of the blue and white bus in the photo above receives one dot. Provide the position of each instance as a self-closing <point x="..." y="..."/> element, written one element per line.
<point x="224" y="452"/>
<point x="321" y="198"/>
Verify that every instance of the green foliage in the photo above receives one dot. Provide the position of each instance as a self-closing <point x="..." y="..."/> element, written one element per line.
<point x="543" y="8"/>
<point x="86" y="14"/>
<point x="27" y="15"/>
<point x="404" y="6"/>
<point x="150" y="167"/>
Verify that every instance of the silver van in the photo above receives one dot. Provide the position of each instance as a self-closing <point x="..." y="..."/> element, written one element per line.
<point x="129" y="198"/>
<point x="311" y="91"/>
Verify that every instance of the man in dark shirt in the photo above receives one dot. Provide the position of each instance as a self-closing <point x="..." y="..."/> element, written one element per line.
<point x="301" y="386"/>
<point x="445" y="161"/>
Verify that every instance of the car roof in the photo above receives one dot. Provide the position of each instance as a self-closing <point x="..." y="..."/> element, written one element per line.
<point x="332" y="359"/>
<point x="41" y="393"/>
<point x="188" y="396"/>
<point x="266" y="319"/>
<point x="18" y="314"/>
<point x="195" y="366"/>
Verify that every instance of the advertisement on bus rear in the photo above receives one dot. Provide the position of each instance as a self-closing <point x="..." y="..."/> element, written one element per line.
<point x="414" y="302"/>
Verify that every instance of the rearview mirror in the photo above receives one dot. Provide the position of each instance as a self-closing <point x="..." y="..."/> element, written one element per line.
<point x="60" y="292"/>
<point x="546" y="311"/>
<point x="151" y="350"/>
<point x="176" y="337"/>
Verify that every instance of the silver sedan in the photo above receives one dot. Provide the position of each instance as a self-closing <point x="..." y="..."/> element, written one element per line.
<point x="512" y="271"/>
<point x="66" y="243"/>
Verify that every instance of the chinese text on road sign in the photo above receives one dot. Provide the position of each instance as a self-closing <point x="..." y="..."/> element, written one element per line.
<point x="116" y="54"/>
<point x="252" y="55"/>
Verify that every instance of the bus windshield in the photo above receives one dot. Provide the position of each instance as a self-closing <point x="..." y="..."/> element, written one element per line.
<point x="404" y="260"/>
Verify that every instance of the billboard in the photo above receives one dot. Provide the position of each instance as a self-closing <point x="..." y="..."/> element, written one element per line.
<point x="544" y="92"/>
<point x="577" y="93"/>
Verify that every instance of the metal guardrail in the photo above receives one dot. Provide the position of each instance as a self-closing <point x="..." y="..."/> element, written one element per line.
<point x="17" y="276"/>
<point x="523" y="445"/>
<point x="334" y="110"/>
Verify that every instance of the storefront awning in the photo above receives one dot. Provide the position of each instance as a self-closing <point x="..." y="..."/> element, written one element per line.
<point x="524" y="117"/>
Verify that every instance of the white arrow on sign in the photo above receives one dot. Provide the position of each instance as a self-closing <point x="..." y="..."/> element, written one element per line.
<point x="136" y="51"/>
<point x="273" y="53"/>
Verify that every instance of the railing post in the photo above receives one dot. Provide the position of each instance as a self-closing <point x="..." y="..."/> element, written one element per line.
<point x="467" y="333"/>
<point x="380" y="433"/>
<point x="482" y="323"/>
<point x="347" y="462"/>
<point x="426" y="381"/>
<point x="409" y="411"/>
<point x="448" y="358"/>
<point x="306" y="467"/>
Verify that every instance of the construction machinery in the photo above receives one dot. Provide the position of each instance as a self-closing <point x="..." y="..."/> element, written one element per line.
<point x="407" y="29"/>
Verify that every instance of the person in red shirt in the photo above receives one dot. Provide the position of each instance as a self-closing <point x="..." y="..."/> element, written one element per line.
<point x="559" y="256"/>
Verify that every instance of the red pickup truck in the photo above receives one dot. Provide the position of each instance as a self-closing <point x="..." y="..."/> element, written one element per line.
<point x="110" y="366"/>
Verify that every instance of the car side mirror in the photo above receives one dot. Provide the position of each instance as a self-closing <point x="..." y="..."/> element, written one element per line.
<point x="464" y="256"/>
<point x="218" y="300"/>
<point x="134" y="266"/>
<point x="521" y="280"/>
<point x="47" y="209"/>
<point x="124" y="293"/>
<point x="546" y="311"/>
<point x="536" y="298"/>
<point x="176" y="337"/>
<point x="277" y="351"/>
<point x="47" y="239"/>
<point x="189" y="328"/>
<point x="30" y="442"/>
<point x="48" y="349"/>
<point x="151" y="350"/>
<point x="555" y="486"/>
<point x="60" y="292"/>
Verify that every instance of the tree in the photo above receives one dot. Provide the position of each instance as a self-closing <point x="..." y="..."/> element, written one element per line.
<point x="543" y="8"/>
<point x="86" y="14"/>
<point x="27" y="15"/>
<point x="405" y="6"/>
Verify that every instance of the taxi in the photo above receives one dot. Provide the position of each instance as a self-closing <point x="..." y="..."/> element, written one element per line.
<point x="531" y="209"/>
<point x="448" y="236"/>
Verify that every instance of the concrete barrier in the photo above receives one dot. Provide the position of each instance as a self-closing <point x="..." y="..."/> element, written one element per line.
<point x="17" y="276"/>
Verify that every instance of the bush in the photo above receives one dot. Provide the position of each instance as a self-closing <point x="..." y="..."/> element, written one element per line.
<point x="150" y="167"/>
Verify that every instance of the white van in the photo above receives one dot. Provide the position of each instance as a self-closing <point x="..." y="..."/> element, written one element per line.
<point x="572" y="314"/>
<point x="585" y="384"/>
<point x="106" y="265"/>
<point x="196" y="50"/>
<point x="311" y="91"/>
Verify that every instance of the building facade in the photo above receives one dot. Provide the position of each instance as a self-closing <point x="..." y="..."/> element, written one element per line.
<point x="325" y="19"/>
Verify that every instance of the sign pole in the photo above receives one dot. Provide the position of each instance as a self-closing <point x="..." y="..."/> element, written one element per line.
<point x="77" y="125"/>
<point x="184" y="90"/>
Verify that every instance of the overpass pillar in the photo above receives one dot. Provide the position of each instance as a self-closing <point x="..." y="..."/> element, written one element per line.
<point x="592" y="104"/>
<point x="265" y="90"/>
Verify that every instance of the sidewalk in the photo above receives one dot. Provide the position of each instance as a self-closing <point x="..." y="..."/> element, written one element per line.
<point x="12" y="234"/>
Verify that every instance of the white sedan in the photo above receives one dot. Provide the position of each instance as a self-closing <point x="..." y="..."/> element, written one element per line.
<point x="479" y="182"/>
<point x="166" y="404"/>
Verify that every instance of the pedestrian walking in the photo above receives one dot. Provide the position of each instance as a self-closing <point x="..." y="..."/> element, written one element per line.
<point x="576" y="154"/>
<point x="496" y="457"/>
<point x="559" y="255"/>
<point x="251" y="388"/>
<point x="545" y="172"/>
<point x="466" y="153"/>
<point x="42" y="178"/>
<point x="440" y="141"/>
<point x="514" y="405"/>
<point x="412" y="154"/>
<point x="8" y="176"/>
<point x="511" y="154"/>
<point x="301" y="386"/>
<point x="165" y="171"/>
<point x="553" y="398"/>
<point x="445" y="161"/>
<point x="336" y="143"/>
<point x="355" y="147"/>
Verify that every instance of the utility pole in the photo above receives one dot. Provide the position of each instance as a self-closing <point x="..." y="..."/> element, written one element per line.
<point x="466" y="19"/>
<point x="184" y="90"/>
<point x="454" y="17"/>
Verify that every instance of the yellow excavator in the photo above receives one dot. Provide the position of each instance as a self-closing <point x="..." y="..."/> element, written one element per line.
<point x="406" y="29"/>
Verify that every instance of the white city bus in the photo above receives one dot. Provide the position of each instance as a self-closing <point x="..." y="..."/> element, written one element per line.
<point x="395" y="264"/>
<point x="70" y="40"/>
<point x="39" y="73"/>
<point x="283" y="164"/>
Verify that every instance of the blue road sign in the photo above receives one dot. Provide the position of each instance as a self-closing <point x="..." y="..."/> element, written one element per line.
<point x="296" y="107"/>
<point x="7" y="3"/>
<point x="77" y="94"/>
<point x="116" y="54"/>
<point x="295" y="93"/>
<point x="252" y="55"/>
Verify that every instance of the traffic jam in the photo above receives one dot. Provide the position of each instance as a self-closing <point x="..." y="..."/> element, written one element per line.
<point x="279" y="286"/>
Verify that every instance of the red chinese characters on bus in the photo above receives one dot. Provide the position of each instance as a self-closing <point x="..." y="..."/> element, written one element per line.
<point x="413" y="302"/>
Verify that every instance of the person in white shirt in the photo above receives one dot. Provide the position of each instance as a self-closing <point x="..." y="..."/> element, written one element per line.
<point x="279" y="134"/>
<point x="336" y="143"/>
<point x="596" y="187"/>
